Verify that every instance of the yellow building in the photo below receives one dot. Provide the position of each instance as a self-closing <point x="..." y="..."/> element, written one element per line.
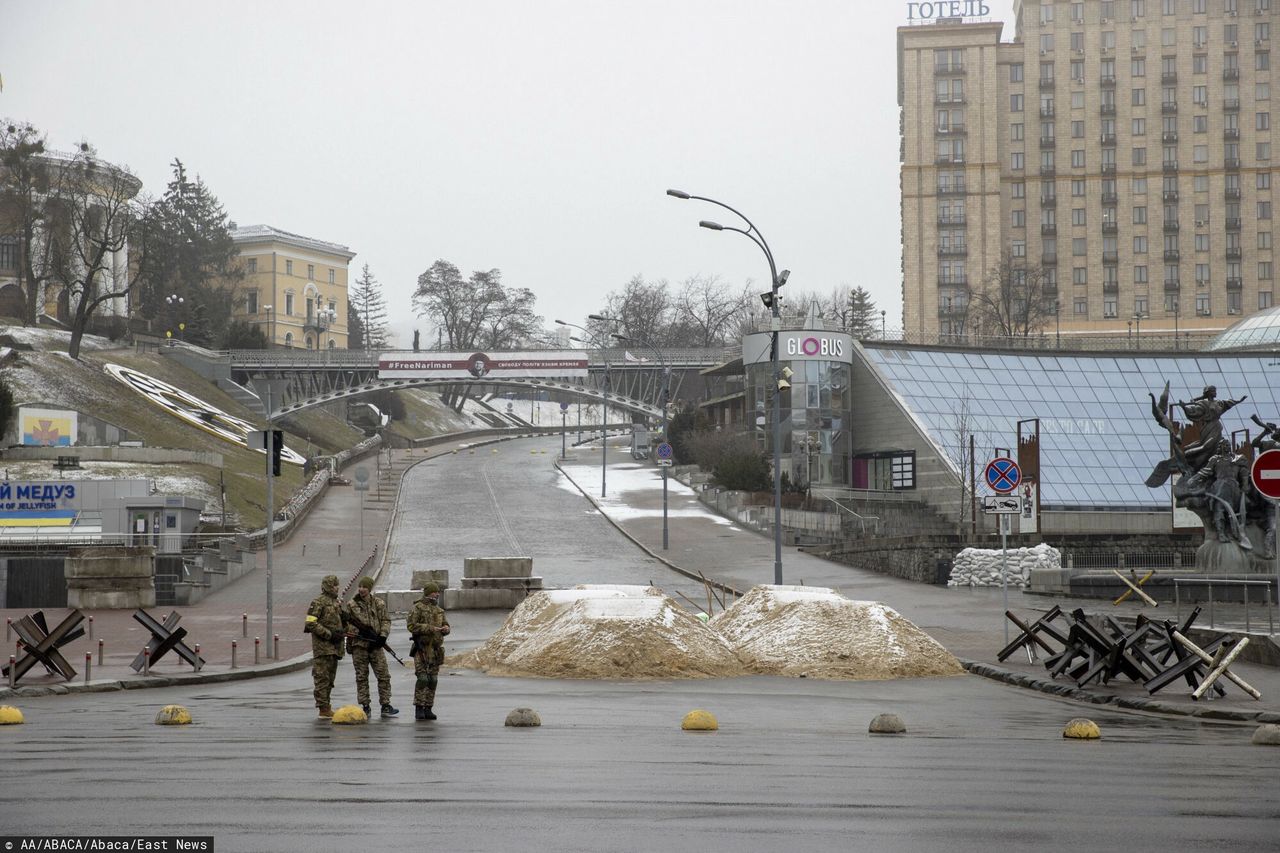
<point x="294" y="287"/>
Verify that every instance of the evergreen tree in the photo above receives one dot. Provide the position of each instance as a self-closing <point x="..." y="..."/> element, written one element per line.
<point x="369" y="310"/>
<point x="864" y="319"/>
<point x="6" y="408"/>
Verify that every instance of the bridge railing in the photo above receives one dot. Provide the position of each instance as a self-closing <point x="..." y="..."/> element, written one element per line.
<point x="618" y="358"/>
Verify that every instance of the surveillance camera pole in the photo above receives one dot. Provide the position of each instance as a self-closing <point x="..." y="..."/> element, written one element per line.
<point x="752" y="233"/>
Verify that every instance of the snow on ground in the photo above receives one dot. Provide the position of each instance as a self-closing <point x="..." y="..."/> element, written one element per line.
<point x="163" y="477"/>
<point x="634" y="483"/>
<point x="45" y="338"/>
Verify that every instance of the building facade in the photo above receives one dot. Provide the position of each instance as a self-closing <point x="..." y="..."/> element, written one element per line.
<point x="1123" y="147"/>
<point x="294" y="288"/>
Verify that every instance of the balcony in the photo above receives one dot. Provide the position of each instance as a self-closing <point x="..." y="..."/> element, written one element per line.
<point x="1049" y="259"/>
<point x="1107" y="109"/>
<point x="953" y="309"/>
<point x="1169" y="107"/>
<point x="952" y="190"/>
<point x="1171" y="226"/>
<point x="1110" y="198"/>
<point x="1111" y="287"/>
<point x="951" y="219"/>
<point x="1233" y="224"/>
<point x="1169" y="166"/>
<point x="949" y="69"/>
<point x="1111" y="257"/>
<point x="948" y="99"/>
<point x="1048" y="141"/>
<point x="1231" y="74"/>
<point x="950" y="159"/>
<point x="1169" y="77"/>
<point x="953" y="251"/>
<point x="1108" y="81"/>
<point x="1046" y="84"/>
<point x="1231" y="104"/>
<point x="1111" y="227"/>
<point x="1048" y="230"/>
<point x="1108" y="168"/>
<point x="1046" y="112"/>
<point x="953" y="281"/>
<point x="1048" y="201"/>
<point x="1172" y="255"/>
<point x="319" y="321"/>
<point x="1170" y="195"/>
<point x="1169" y="136"/>
<point x="1234" y="253"/>
<point x="1047" y="172"/>
<point x="957" y="129"/>
<point x="1172" y="285"/>
<point x="1235" y="284"/>
<point x="1231" y="133"/>
<point x="1232" y="163"/>
<point x="1108" y="139"/>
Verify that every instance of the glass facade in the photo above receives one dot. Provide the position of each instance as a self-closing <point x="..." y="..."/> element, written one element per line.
<point x="815" y="418"/>
<point x="1261" y="331"/>
<point x="1098" y="440"/>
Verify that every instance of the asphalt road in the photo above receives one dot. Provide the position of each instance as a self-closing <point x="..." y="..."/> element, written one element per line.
<point x="983" y="767"/>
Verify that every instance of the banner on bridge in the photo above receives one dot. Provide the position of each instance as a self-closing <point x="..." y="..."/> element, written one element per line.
<point x="543" y="364"/>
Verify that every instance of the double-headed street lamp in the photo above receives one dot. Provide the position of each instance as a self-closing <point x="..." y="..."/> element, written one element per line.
<point x="604" y="426"/>
<point x="771" y="301"/>
<point x="663" y="402"/>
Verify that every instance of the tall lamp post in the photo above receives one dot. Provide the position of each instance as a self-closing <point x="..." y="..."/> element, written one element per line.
<point x="664" y="401"/>
<point x="270" y="336"/>
<point x="774" y="304"/>
<point x="604" y="426"/>
<point x="1175" y="321"/>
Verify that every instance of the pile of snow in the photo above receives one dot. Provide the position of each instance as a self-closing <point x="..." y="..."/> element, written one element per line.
<point x="979" y="567"/>
<point x="818" y="633"/>
<point x="46" y="338"/>
<point x="603" y="632"/>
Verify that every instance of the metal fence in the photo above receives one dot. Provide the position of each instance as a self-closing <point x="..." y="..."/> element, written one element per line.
<point x="1227" y="585"/>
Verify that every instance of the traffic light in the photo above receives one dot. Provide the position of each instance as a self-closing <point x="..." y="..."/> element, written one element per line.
<point x="277" y="446"/>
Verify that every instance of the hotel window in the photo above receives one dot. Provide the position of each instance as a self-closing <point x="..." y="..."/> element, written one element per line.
<point x="1019" y="189"/>
<point x="1019" y="219"/>
<point x="1202" y="213"/>
<point x="1077" y="159"/>
<point x="1264" y="270"/>
<point x="1201" y="183"/>
<point x="1200" y="124"/>
<point x="1264" y="299"/>
<point x="1015" y="103"/>
<point x="1077" y="12"/>
<point x="1079" y="247"/>
<point x="1202" y="275"/>
<point x="1202" y="242"/>
<point x="1200" y="64"/>
<point x="1197" y="6"/>
<point x="1046" y="13"/>
<point x="1019" y="248"/>
<point x="1078" y="216"/>
<point x="1139" y="156"/>
<point x="1077" y="70"/>
<point x="1140" y="305"/>
<point x="1139" y="186"/>
<point x="251" y="302"/>
<point x="1264" y="210"/>
<point x="1263" y="151"/>
<point x="1200" y="95"/>
<point x="1080" y="305"/>
<point x="1262" y="61"/>
<point x="288" y="267"/>
<point x="1262" y="180"/>
<point x="1264" y="239"/>
<point x="1199" y="36"/>
<point x="1139" y="216"/>
<point x="252" y="265"/>
<point x="1109" y="40"/>
<point x="1140" y="274"/>
<point x="1015" y="132"/>
<point x="1167" y="37"/>
<point x="332" y="277"/>
<point x="1139" y="127"/>
<point x="1046" y="42"/>
<point x="1079" y="275"/>
<point x="1234" y="302"/>
<point x="1262" y="32"/>
<point x="1077" y="189"/>
<point x="1262" y="91"/>
<point x="1138" y="67"/>
<point x="1015" y="72"/>
<point x="1016" y="161"/>
<point x="1109" y="306"/>
<point x="1139" y="244"/>
<point x="1077" y="100"/>
<point x="1138" y="97"/>
<point x="1230" y="34"/>
<point x="1138" y="38"/>
<point x="1200" y="154"/>
<point x="311" y="272"/>
<point x="1138" y="8"/>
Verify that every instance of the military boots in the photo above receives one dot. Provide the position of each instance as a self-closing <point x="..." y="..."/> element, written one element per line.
<point x="389" y="711"/>
<point x="419" y="712"/>
<point x="324" y="711"/>
<point x="426" y="713"/>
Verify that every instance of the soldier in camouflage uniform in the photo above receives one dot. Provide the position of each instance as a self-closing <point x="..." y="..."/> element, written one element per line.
<point x="327" y="629"/>
<point x="367" y="614"/>
<point x="428" y="626"/>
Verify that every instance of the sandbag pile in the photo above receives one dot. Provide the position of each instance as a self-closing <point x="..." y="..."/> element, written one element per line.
<point x="981" y="567"/>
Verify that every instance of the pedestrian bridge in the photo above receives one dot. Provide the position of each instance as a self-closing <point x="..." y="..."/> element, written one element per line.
<point x="618" y="377"/>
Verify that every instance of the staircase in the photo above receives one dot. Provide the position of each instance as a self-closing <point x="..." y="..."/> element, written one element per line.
<point x="241" y="395"/>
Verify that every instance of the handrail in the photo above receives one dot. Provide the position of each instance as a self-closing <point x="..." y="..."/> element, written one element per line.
<point x="861" y="518"/>
<point x="1207" y="581"/>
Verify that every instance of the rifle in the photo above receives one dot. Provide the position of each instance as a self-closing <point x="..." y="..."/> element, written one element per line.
<point x="364" y="632"/>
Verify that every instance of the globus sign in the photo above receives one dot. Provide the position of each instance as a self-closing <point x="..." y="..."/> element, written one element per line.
<point x="812" y="345"/>
<point x="947" y="9"/>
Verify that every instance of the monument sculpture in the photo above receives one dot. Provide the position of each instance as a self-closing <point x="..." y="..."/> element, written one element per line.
<point x="1213" y="481"/>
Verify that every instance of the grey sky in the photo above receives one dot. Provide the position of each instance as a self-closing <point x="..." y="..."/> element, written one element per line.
<point x="535" y="137"/>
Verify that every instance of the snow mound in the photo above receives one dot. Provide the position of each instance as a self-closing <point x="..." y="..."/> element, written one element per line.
<point x="604" y="632"/>
<point x="818" y="633"/>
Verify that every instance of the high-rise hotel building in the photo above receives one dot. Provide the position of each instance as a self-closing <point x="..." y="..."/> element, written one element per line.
<point x="1125" y="146"/>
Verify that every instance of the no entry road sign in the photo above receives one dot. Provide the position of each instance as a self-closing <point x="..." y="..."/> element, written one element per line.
<point x="1266" y="474"/>
<point x="1002" y="475"/>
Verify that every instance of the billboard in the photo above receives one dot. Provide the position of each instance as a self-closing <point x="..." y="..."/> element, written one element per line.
<point x="542" y="364"/>
<point x="47" y="427"/>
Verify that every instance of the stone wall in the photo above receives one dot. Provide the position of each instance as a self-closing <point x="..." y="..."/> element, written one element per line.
<point x="111" y="578"/>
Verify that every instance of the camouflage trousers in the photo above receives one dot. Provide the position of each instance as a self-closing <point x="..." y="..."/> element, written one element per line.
<point x="363" y="658"/>
<point x="324" y="669"/>
<point x="426" y="665"/>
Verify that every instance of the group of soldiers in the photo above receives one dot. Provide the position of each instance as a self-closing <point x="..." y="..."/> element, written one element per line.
<point x="361" y="626"/>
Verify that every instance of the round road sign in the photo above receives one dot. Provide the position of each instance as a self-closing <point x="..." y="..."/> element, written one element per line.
<point x="1003" y="475"/>
<point x="1266" y="474"/>
<point x="362" y="474"/>
<point x="664" y="451"/>
<point x="564" y="407"/>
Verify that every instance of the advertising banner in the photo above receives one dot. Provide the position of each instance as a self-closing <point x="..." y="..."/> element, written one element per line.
<point x="47" y="427"/>
<point x="478" y="365"/>
<point x="798" y="346"/>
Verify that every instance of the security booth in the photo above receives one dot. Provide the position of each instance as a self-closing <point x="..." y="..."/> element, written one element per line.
<point x="816" y="404"/>
<point x="639" y="441"/>
<point x="165" y="522"/>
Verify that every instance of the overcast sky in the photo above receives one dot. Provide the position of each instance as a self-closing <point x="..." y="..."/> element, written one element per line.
<point x="535" y="137"/>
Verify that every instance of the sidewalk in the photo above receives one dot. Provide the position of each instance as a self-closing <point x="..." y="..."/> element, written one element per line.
<point x="968" y="621"/>
<point x="328" y="541"/>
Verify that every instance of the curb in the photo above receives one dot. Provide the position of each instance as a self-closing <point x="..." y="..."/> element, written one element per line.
<point x="1132" y="703"/>
<point x="180" y="680"/>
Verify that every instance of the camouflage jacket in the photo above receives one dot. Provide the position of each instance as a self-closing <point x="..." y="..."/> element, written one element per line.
<point x="424" y="622"/>
<point x="327" y="631"/>
<point x="371" y="612"/>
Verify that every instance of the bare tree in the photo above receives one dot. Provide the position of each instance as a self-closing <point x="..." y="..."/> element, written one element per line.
<point x="90" y="229"/>
<point x="958" y="430"/>
<point x="705" y="311"/>
<point x="643" y="310"/>
<point x="26" y="179"/>
<point x="1012" y="301"/>
<point x="511" y="319"/>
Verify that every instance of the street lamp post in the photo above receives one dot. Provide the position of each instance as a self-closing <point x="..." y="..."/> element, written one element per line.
<point x="883" y="314"/>
<point x="604" y="426"/>
<point x="1175" y="321"/>
<point x="270" y="336"/>
<point x="1137" y="330"/>
<point x="175" y="303"/>
<point x="664" y="401"/>
<point x="774" y="304"/>
<point x="1057" y="323"/>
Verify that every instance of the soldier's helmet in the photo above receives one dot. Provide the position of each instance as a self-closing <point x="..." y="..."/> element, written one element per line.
<point x="430" y="588"/>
